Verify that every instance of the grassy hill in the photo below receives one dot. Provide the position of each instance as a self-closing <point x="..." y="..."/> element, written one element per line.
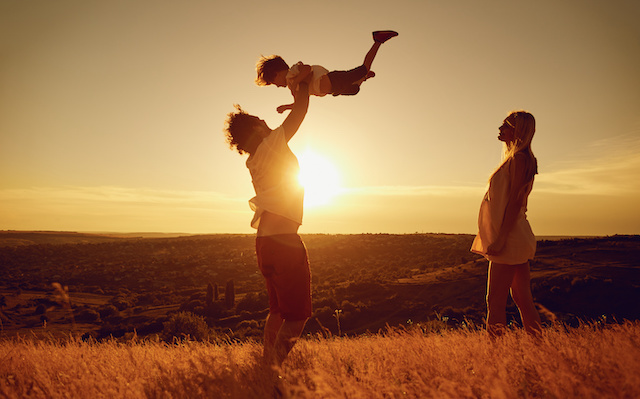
<point x="18" y="238"/>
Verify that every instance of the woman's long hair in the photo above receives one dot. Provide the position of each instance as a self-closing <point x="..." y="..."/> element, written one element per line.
<point x="525" y="127"/>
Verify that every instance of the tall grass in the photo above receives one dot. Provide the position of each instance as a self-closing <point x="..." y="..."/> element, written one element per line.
<point x="592" y="361"/>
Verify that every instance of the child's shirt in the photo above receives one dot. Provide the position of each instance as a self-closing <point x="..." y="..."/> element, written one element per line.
<point x="317" y="72"/>
<point x="274" y="172"/>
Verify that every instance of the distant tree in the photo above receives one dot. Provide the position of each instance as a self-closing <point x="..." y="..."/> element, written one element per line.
<point x="209" y="299"/>
<point x="230" y="294"/>
<point x="215" y="292"/>
<point x="3" y="302"/>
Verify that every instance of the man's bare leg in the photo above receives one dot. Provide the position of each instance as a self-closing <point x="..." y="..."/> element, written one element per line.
<point x="287" y="336"/>
<point x="271" y="328"/>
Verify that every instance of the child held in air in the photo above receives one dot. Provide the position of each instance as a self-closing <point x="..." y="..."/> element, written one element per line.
<point x="274" y="70"/>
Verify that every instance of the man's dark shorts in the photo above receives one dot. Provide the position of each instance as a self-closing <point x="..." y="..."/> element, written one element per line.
<point x="344" y="82"/>
<point x="283" y="261"/>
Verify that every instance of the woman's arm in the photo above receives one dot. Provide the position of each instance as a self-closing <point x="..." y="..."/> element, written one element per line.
<point x="298" y="111"/>
<point x="517" y="197"/>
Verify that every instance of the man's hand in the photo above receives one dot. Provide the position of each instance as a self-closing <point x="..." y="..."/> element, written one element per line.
<point x="304" y="75"/>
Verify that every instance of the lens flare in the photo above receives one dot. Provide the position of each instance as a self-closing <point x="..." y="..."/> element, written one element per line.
<point x="320" y="179"/>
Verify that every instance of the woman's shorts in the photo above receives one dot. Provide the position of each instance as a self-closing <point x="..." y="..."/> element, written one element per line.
<point x="284" y="263"/>
<point x="345" y="82"/>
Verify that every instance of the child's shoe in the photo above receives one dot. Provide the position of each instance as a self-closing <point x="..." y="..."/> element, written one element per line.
<point x="382" y="36"/>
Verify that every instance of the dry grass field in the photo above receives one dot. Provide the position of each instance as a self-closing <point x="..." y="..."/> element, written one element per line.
<point x="590" y="361"/>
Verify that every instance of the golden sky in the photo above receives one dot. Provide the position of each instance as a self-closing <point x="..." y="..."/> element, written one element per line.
<point x="111" y="112"/>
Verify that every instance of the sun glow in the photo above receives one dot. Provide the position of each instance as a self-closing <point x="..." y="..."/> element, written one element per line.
<point x="320" y="179"/>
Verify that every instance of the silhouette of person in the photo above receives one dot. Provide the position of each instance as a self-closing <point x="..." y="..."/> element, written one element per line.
<point x="274" y="70"/>
<point x="278" y="204"/>
<point x="504" y="235"/>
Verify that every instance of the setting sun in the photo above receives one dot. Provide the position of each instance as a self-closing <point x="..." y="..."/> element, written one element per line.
<point x="320" y="178"/>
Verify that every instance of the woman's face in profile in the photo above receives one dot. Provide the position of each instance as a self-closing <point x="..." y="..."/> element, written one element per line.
<point x="507" y="131"/>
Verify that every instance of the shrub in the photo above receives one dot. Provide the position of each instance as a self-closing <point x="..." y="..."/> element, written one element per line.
<point x="123" y="302"/>
<point x="108" y="311"/>
<point x="152" y="327"/>
<point x="185" y="326"/>
<point x="87" y="316"/>
<point x="216" y="310"/>
<point x="253" y="302"/>
<point x="191" y="305"/>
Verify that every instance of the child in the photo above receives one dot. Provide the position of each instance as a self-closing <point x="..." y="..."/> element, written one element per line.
<point x="274" y="70"/>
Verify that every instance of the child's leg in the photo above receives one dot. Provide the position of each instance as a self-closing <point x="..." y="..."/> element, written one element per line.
<point x="379" y="37"/>
<point x="350" y="90"/>
<point x="347" y="82"/>
<point x="371" y="54"/>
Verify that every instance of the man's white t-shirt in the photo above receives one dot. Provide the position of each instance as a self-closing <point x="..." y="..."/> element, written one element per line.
<point x="274" y="172"/>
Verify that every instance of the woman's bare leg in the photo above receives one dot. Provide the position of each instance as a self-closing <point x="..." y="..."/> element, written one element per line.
<point x="521" y="293"/>
<point x="498" y="284"/>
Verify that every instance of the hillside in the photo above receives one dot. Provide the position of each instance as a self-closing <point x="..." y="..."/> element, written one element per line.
<point x="17" y="238"/>
<point x="360" y="282"/>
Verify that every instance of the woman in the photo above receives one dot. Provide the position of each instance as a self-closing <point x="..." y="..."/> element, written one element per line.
<point x="282" y="256"/>
<point x="505" y="237"/>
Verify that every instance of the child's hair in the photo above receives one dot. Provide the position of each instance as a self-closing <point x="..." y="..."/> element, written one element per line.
<point x="239" y="131"/>
<point x="268" y="67"/>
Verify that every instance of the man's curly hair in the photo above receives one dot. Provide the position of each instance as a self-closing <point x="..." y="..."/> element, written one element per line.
<point x="239" y="131"/>
<point x="268" y="67"/>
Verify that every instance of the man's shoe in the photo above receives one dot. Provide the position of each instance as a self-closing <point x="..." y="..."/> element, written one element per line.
<point x="382" y="36"/>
